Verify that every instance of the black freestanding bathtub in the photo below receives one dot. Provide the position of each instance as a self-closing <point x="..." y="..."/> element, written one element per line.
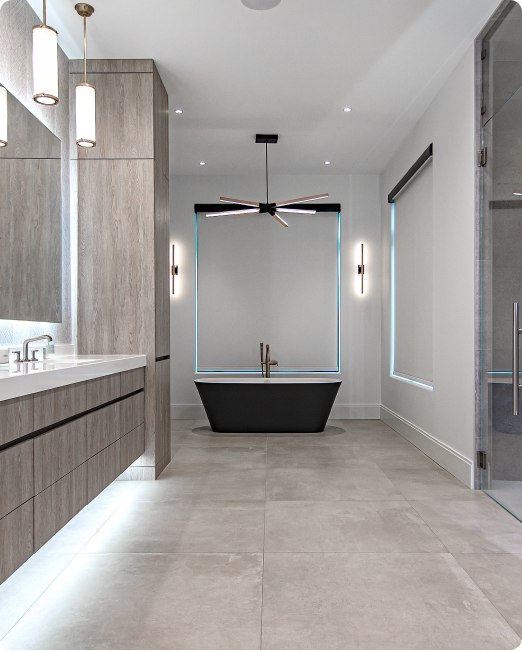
<point x="258" y="405"/>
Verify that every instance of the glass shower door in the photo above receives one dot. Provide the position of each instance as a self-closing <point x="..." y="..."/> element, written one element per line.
<point x="501" y="293"/>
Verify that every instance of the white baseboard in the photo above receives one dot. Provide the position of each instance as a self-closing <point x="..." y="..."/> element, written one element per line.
<point x="451" y="460"/>
<point x="339" y="411"/>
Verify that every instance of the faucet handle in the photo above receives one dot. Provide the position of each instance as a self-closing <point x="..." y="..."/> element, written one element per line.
<point x="33" y="358"/>
<point x="17" y="359"/>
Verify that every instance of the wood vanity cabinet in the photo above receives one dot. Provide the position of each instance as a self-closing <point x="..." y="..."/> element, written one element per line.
<point x="123" y="235"/>
<point x="75" y="441"/>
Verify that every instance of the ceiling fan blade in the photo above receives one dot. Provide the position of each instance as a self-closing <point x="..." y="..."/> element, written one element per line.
<point x="281" y="220"/>
<point x="303" y="200"/>
<point x="243" y="203"/>
<point x="300" y="212"/>
<point x="233" y="212"/>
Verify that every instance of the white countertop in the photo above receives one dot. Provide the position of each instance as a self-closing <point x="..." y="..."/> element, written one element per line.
<point x="32" y="377"/>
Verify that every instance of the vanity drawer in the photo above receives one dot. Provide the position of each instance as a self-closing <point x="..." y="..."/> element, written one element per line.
<point x="16" y="418"/>
<point x="16" y="476"/>
<point x="56" y="405"/>
<point x="58" y="452"/>
<point x="132" y="412"/>
<point x="132" y="381"/>
<point x="103" y="390"/>
<point x="102" y="469"/>
<point x="56" y="505"/>
<point x="103" y="428"/>
<point x="132" y="447"/>
<point x="16" y="539"/>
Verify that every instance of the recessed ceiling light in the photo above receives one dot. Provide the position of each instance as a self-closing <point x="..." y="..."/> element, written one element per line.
<point x="202" y="162"/>
<point x="178" y="111"/>
<point x="518" y="194"/>
<point x="260" y="4"/>
<point x="327" y="162"/>
<point x="347" y="109"/>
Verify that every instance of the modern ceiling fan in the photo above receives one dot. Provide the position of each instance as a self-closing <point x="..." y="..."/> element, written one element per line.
<point x="270" y="208"/>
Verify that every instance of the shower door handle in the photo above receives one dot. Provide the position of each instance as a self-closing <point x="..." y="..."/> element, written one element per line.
<point x="516" y="364"/>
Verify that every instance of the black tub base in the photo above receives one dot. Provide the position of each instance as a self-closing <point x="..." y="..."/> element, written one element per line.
<point x="267" y="406"/>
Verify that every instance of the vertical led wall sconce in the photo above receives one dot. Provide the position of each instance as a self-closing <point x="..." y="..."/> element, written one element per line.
<point x="3" y="117"/>
<point x="175" y="269"/>
<point x="360" y="269"/>
<point x="85" y="93"/>
<point x="45" y="62"/>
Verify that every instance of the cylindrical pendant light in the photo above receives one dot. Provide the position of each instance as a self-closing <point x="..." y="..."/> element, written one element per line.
<point x="45" y="62"/>
<point x="3" y="117"/>
<point x="85" y="93"/>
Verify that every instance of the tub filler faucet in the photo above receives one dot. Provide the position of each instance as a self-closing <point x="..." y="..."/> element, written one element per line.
<point x="266" y="363"/>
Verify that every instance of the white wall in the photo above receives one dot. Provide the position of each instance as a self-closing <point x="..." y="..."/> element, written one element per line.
<point x="359" y="196"/>
<point x="441" y="422"/>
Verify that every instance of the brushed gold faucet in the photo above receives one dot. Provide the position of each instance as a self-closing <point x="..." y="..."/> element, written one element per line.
<point x="266" y="363"/>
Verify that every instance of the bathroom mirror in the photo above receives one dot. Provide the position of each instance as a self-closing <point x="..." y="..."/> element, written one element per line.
<point x="259" y="282"/>
<point x="30" y="219"/>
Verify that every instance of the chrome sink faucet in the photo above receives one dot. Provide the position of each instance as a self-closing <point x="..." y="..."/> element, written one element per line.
<point x="266" y="363"/>
<point x="25" y="348"/>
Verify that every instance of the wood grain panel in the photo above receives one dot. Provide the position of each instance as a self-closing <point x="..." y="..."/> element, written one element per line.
<point x="103" y="390"/>
<point x="116" y="257"/>
<point x="162" y="269"/>
<point x="112" y="65"/>
<point x="55" y="506"/>
<point x="103" y="469"/>
<point x="27" y="136"/>
<point x="58" y="452"/>
<point x="16" y="539"/>
<point x="16" y="418"/>
<point x="30" y="240"/>
<point x="56" y="405"/>
<point x="132" y="412"/>
<point x="124" y="119"/>
<point x="132" y="381"/>
<point x="16" y="476"/>
<point x="132" y="447"/>
<point x="103" y="428"/>
<point x="160" y="467"/>
<point x="5" y="24"/>
<point x="162" y="408"/>
<point x="161" y="125"/>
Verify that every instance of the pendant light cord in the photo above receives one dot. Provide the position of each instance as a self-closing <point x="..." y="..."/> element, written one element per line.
<point x="45" y="13"/>
<point x="85" y="49"/>
<point x="266" y="160"/>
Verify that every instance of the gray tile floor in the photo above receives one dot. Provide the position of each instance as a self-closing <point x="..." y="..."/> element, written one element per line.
<point x="354" y="540"/>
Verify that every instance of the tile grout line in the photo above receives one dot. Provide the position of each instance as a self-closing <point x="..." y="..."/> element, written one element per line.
<point x="74" y="556"/>
<point x="420" y="516"/>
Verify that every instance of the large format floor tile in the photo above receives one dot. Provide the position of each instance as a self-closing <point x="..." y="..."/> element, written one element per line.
<point x="432" y="485"/>
<point x="472" y="526"/>
<point x="342" y="540"/>
<point x="499" y="576"/>
<point x="182" y="526"/>
<point x="20" y="591"/>
<point x="311" y="453"/>
<point x="204" y="484"/>
<point x="347" y="527"/>
<point x="329" y="483"/>
<point x="148" y="601"/>
<point x="224" y="457"/>
<point x="377" y="601"/>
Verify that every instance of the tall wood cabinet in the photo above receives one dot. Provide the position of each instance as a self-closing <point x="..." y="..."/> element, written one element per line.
<point x="123" y="235"/>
